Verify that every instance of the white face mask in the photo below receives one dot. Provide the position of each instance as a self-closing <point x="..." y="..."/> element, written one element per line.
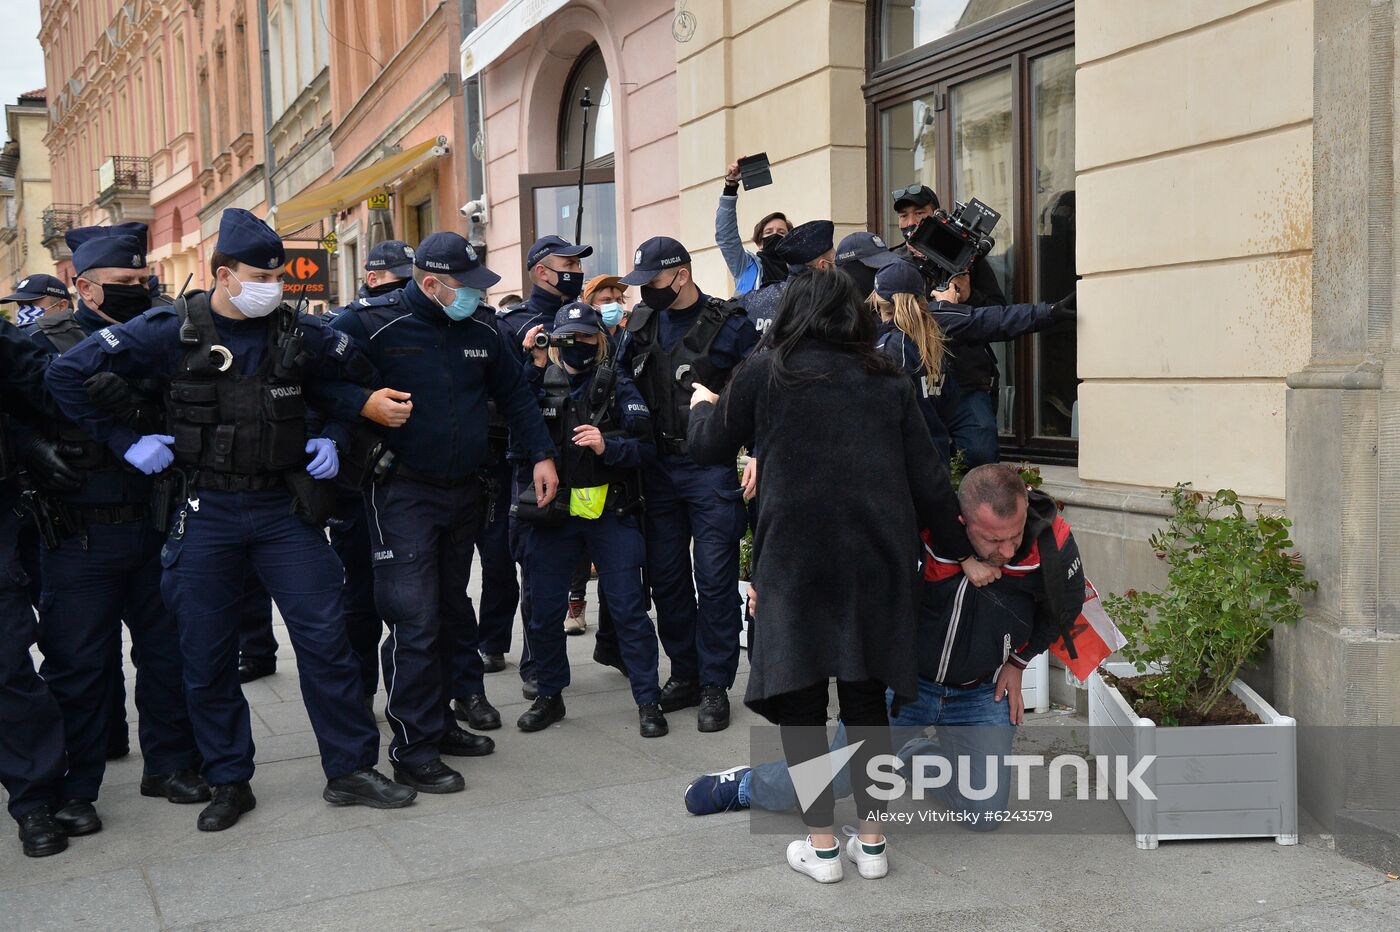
<point x="256" y="299"/>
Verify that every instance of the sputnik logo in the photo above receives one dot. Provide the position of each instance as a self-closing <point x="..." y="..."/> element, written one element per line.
<point x="811" y="777"/>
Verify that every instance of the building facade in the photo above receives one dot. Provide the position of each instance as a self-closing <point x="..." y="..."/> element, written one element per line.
<point x="1233" y="263"/>
<point x="25" y="189"/>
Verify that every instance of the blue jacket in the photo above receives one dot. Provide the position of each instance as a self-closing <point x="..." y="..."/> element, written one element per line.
<point x="450" y="368"/>
<point x="938" y="400"/>
<point x="743" y="265"/>
<point x="539" y="308"/>
<point x="149" y="347"/>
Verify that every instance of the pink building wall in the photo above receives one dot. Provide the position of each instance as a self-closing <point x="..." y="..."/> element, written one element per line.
<point x="521" y="96"/>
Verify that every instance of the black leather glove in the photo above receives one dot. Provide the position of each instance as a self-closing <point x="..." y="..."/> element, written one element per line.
<point x="110" y="392"/>
<point x="46" y="468"/>
<point x="1067" y="308"/>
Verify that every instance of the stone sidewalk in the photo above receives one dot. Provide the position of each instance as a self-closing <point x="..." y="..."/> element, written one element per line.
<point x="582" y="827"/>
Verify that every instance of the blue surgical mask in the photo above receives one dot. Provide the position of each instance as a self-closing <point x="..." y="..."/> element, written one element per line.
<point x="611" y="314"/>
<point x="464" y="305"/>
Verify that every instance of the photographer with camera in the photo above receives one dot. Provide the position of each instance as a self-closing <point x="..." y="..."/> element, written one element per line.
<point x="602" y="427"/>
<point x="974" y="365"/>
<point x="751" y="270"/>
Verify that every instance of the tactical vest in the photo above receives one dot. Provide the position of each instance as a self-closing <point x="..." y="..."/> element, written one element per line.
<point x="659" y="373"/>
<point x="579" y="467"/>
<point x="63" y="331"/>
<point x="237" y="432"/>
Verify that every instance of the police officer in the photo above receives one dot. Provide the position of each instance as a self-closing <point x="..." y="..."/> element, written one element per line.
<point x="601" y="426"/>
<point x="36" y="296"/>
<point x="388" y="268"/>
<point x="809" y="245"/>
<point x="101" y="564"/>
<point x="237" y="360"/>
<point x="555" y="268"/>
<point x="32" y="758"/>
<point x="678" y="335"/>
<point x="441" y="345"/>
<point x="974" y="365"/>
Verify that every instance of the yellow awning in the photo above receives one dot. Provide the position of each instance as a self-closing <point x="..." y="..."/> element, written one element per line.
<point x="315" y="203"/>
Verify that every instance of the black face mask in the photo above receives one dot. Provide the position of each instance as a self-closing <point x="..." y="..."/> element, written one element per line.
<point x="863" y="276"/>
<point x="123" y="302"/>
<point x="568" y="284"/>
<point x="771" y="240"/>
<point x="908" y="231"/>
<point x="580" y="357"/>
<point x="659" y="299"/>
<point x="383" y="289"/>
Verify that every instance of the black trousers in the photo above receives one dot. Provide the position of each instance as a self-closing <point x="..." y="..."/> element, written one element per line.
<point x="802" y="716"/>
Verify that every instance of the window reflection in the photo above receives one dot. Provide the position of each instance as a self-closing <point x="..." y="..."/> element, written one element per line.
<point x="909" y="24"/>
<point x="910" y="155"/>
<point x="592" y="73"/>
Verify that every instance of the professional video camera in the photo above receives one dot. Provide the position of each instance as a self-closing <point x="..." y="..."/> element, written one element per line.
<point x="950" y="243"/>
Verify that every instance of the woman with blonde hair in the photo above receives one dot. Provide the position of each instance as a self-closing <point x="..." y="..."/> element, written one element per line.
<point x="918" y="335"/>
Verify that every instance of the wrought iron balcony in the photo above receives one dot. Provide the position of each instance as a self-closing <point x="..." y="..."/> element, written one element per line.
<point x="59" y="219"/>
<point x="124" y="174"/>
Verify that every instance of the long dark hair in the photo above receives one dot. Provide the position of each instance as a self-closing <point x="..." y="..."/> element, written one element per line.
<point x="822" y="306"/>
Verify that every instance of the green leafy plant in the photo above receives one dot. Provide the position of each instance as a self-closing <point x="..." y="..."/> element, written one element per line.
<point x="1233" y="576"/>
<point x="957" y="468"/>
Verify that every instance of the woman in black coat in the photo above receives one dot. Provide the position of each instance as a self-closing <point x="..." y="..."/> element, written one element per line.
<point x="850" y="475"/>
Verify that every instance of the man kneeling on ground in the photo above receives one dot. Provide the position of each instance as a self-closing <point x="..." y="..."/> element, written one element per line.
<point x="973" y="646"/>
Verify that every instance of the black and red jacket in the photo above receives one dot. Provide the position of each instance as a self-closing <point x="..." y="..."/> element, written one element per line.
<point x="965" y="634"/>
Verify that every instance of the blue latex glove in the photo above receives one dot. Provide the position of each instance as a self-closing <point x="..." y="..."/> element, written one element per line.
<point x="151" y="453"/>
<point x="325" y="464"/>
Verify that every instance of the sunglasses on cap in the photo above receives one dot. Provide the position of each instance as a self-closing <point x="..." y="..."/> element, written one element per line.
<point x="913" y="190"/>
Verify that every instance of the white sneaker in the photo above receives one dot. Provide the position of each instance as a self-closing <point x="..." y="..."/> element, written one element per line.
<point x="803" y="858"/>
<point x="873" y="861"/>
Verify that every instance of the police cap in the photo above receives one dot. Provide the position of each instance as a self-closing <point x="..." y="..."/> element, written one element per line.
<point x="867" y="249"/>
<point x="449" y="254"/>
<point x="35" y="287"/>
<point x="393" y="256"/>
<point x="245" y="237"/>
<point x="807" y="241"/>
<point x="653" y="257"/>
<point x="121" y="246"/>
<point x="553" y="245"/>
<point x="577" y="317"/>
<point x="900" y="277"/>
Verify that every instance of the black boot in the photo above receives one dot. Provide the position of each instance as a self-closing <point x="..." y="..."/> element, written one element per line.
<point x="714" y="709"/>
<point x="653" y="722"/>
<point x="545" y="712"/>
<point x="432" y="777"/>
<point x="230" y="801"/>
<point x="458" y="742"/>
<point x="40" y="835"/>
<point x="493" y="663"/>
<point x="679" y="694"/>
<point x="182" y="786"/>
<point x="78" y="817"/>
<point x="370" y="788"/>
<point x="530" y="688"/>
<point x="477" y="712"/>
<point x="252" y="668"/>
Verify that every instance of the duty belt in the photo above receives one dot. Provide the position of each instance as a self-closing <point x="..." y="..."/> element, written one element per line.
<point x="112" y="514"/>
<point x="235" y="482"/>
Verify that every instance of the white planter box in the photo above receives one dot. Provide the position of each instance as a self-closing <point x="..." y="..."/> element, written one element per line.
<point x="743" y="613"/>
<point x="1211" y="781"/>
<point x="1035" y="684"/>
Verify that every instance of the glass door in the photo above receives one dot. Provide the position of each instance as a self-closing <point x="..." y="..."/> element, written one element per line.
<point x="550" y="205"/>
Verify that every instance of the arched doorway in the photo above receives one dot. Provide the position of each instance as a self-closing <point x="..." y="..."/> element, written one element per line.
<point x="579" y="200"/>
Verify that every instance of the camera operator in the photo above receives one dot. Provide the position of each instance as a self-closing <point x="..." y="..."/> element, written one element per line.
<point x="974" y="365"/>
<point x="602" y="427"/>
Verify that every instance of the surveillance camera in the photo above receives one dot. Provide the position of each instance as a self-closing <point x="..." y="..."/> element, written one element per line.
<point x="475" y="211"/>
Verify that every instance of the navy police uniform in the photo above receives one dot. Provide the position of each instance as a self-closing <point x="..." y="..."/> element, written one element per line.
<point x="539" y="309"/>
<point x="614" y="537"/>
<point x="424" y="517"/>
<point x="940" y="399"/>
<point x="689" y="507"/>
<point x="106" y="567"/>
<point x="238" y="416"/>
<point x="30" y="291"/>
<point x="32" y="757"/>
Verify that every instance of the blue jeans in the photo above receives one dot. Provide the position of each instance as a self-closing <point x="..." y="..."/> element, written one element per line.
<point x="974" y="429"/>
<point x="770" y="786"/>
